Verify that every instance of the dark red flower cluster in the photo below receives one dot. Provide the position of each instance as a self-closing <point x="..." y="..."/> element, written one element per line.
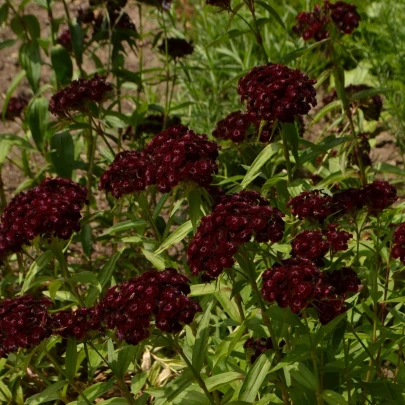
<point x="239" y="126"/>
<point x="116" y="21"/>
<point x="310" y="244"/>
<point x="314" y="24"/>
<point x="379" y="195"/>
<point x="219" y="3"/>
<point x="276" y="92"/>
<point x="344" y="16"/>
<point x="16" y="106"/>
<point x="181" y="155"/>
<point x="130" y="306"/>
<point x="24" y="323"/>
<point x="85" y="16"/>
<point x="130" y="172"/>
<point x="65" y="39"/>
<point x="176" y="47"/>
<point x="234" y="220"/>
<point x="349" y="200"/>
<point x="398" y="248"/>
<point x="337" y="239"/>
<point x="48" y="210"/>
<point x="257" y="347"/>
<point x="298" y="284"/>
<point x="80" y="92"/>
<point x="72" y="323"/>
<point x="314" y="205"/>
<point x="371" y="106"/>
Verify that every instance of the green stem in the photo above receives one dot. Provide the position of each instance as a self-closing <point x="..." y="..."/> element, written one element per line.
<point x="319" y="399"/>
<point x="196" y="374"/>
<point x="287" y="157"/>
<point x="71" y="382"/>
<point x="91" y="151"/>
<point x="143" y="203"/>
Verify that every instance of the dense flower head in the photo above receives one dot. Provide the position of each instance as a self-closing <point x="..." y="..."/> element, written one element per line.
<point x="176" y="47"/>
<point x="348" y="200"/>
<point x="276" y="92"/>
<point x="344" y="16"/>
<point x="238" y="126"/>
<point x="151" y="124"/>
<point x="50" y="209"/>
<point x="65" y="39"/>
<point x="130" y="172"/>
<point x="130" y="306"/>
<point x="16" y="106"/>
<point x="371" y="106"/>
<point x="310" y="244"/>
<point x="337" y="239"/>
<point x="77" y="94"/>
<point x="314" y="205"/>
<point x="313" y="24"/>
<point x="24" y="323"/>
<point x="398" y="249"/>
<point x="181" y="155"/>
<point x="297" y="283"/>
<point x="379" y="195"/>
<point x="71" y="323"/>
<point x="235" y="219"/>
<point x="257" y="347"/>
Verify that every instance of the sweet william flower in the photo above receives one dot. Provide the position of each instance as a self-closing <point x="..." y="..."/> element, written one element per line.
<point x="276" y="92"/>
<point x="176" y="47"/>
<point x="131" y="171"/>
<point x="78" y="94"/>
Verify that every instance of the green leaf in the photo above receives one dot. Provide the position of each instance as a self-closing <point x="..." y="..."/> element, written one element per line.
<point x="124" y="226"/>
<point x="13" y="85"/>
<point x="63" y="153"/>
<point x="86" y="238"/>
<point x="262" y="158"/>
<point x="325" y="110"/>
<point x="30" y="61"/>
<point x="203" y="289"/>
<point x="201" y="340"/>
<point x="71" y="358"/>
<point x="303" y="375"/>
<point x="115" y="121"/>
<point x="3" y="13"/>
<point x="179" y="234"/>
<point x="176" y="387"/>
<point x="95" y="391"/>
<point x="289" y="57"/>
<point x="38" y="118"/>
<point x="7" y="43"/>
<point x="127" y="75"/>
<point x="32" y="24"/>
<point x="226" y="37"/>
<point x="333" y="398"/>
<point x="87" y="277"/>
<point x="138" y="381"/>
<point x="254" y="380"/>
<point x="104" y="277"/>
<point x="77" y="36"/>
<point x="217" y="381"/>
<point x="114" y="401"/>
<point x="48" y="394"/>
<point x="157" y="261"/>
<point x="273" y="12"/>
<point x="62" y="64"/>
<point x="35" y="268"/>
<point x="292" y="137"/>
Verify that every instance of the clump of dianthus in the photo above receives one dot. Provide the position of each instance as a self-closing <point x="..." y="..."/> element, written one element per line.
<point x="131" y="171"/>
<point x="176" y="47"/>
<point x="130" y="307"/>
<point x="65" y="39"/>
<point x="297" y="283"/>
<point x="276" y="92"/>
<point x="181" y="155"/>
<point x="315" y="24"/>
<point x="51" y="209"/>
<point x="257" y="347"/>
<point x="24" y="323"/>
<point x="379" y="195"/>
<point x="16" y="105"/>
<point x="78" y="94"/>
<point x="371" y="106"/>
<point x="71" y="323"/>
<point x="239" y="126"/>
<point x="234" y="220"/>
